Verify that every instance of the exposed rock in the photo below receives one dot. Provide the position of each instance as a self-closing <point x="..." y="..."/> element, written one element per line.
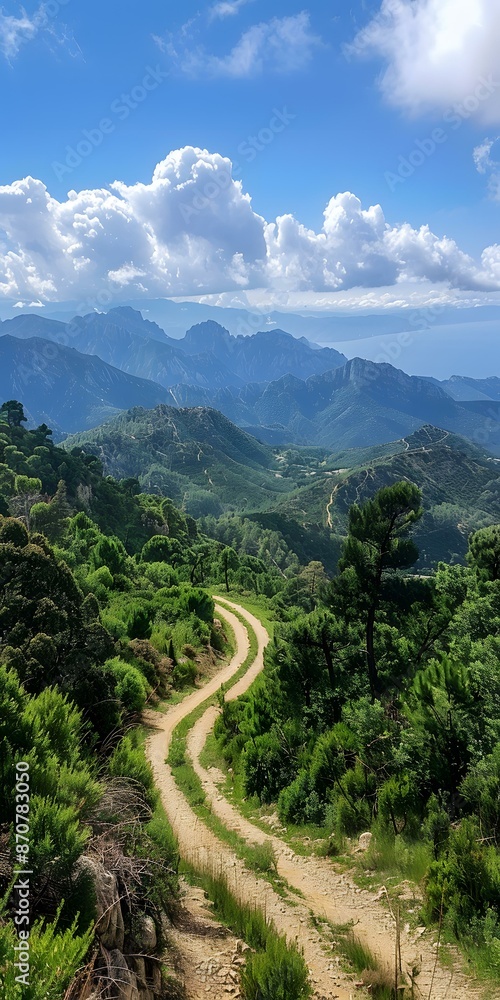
<point x="144" y="933"/>
<point x="364" y="841"/>
<point x="110" y="928"/>
<point x="156" y="978"/>
<point x="124" y="982"/>
<point x="138" y="966"/>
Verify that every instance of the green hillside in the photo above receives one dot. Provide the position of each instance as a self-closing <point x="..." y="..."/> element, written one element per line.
<point x="201" y="460"/>
<point x="460" y="486"/>
<point x="196" y="456"/>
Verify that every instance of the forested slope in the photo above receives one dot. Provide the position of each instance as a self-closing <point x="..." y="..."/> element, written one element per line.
<point x="101" y="614"/>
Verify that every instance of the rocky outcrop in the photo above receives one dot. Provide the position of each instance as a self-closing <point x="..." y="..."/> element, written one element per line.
<point x="144" y="933"/>
<point x="127" y="967"/>
<point x="110" y="928"/>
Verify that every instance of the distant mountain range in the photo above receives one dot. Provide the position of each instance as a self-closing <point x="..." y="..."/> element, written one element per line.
<point x="67" y="390"/>
<point x="206" y="356"/>
<point x="177" y="317"/>
<point x="472" y="389"/>
<point x="277" y="387"/>
<point x="361" y="404"/>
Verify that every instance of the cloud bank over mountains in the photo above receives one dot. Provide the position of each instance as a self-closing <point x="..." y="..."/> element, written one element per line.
<point x="192" y="231"/>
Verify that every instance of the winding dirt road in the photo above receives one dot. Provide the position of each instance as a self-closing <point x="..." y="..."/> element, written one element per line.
<point x="325" y="892"/>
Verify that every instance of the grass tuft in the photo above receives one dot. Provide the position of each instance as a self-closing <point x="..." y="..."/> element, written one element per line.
<point x="263" y="858"/>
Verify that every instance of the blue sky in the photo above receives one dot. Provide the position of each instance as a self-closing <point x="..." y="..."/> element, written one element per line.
<point x="220" y="71"/>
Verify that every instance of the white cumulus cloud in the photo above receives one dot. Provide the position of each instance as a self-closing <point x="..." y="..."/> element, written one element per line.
<point x="192" y="231"/>
<point x="437" y="53"/>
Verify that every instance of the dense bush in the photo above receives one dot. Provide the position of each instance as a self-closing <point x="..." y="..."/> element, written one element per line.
<point x="278" y="973"/>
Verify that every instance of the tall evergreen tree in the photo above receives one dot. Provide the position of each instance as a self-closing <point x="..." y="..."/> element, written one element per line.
<point x="377" y="546"/>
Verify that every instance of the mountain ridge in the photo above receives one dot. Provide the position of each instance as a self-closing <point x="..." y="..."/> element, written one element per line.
<point x="207" y="355"/>
<point x="193" y="454"/>
<point x="68" y="389"/>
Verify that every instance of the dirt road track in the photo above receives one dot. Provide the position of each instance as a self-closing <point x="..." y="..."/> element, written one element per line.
<point x="326" y="893"/>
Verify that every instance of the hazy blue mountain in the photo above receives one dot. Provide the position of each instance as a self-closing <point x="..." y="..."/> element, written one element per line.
<point x="206" y="356"/>
<point x="236" y="404"/>
<point x="280" y="387"/>
<point x="439" y="345"/>
<point x="262" y="356"/>
<point x="360" y="404"/>
<point x="177" y="317"/>
<point x="463" y="388"/>
<point x="67" y="390"/>
<point x="26" y="325"/>
<point x="123" y="339"/>
<point x="148" y="357"/>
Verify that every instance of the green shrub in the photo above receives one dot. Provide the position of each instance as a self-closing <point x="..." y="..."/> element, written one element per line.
<point x="464" y="883"/>
<point x="58" y="840"/>
<point x="110" y="552"/>
<point x="160" y="880"/>
<point x="184" y="674"/>
<point x="354" y="801"/>
<point x="278" y="973"/>
<point x="55" y="957"/>
<point x="139" y="623"/>
<point x="13" y="531"/>
<point x="131" y="685"/>
<point x="100" y="583"/>
<point x="398" y="805"/>
<point x="269" y="764"/>
<point x="128" y="761"/>
<point x="436" y="826"/>
<point x="176" y="757"/>
<point x="481" y="791"/>
<point x="113" y="623"/>
<point x="300" y="802"/>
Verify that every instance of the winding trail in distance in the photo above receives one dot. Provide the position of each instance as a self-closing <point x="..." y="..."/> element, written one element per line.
<point x="325" y="893"/>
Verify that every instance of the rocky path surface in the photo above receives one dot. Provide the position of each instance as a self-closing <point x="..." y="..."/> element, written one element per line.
<point x="207" y="957"/>
<point x="326" y="893"/>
